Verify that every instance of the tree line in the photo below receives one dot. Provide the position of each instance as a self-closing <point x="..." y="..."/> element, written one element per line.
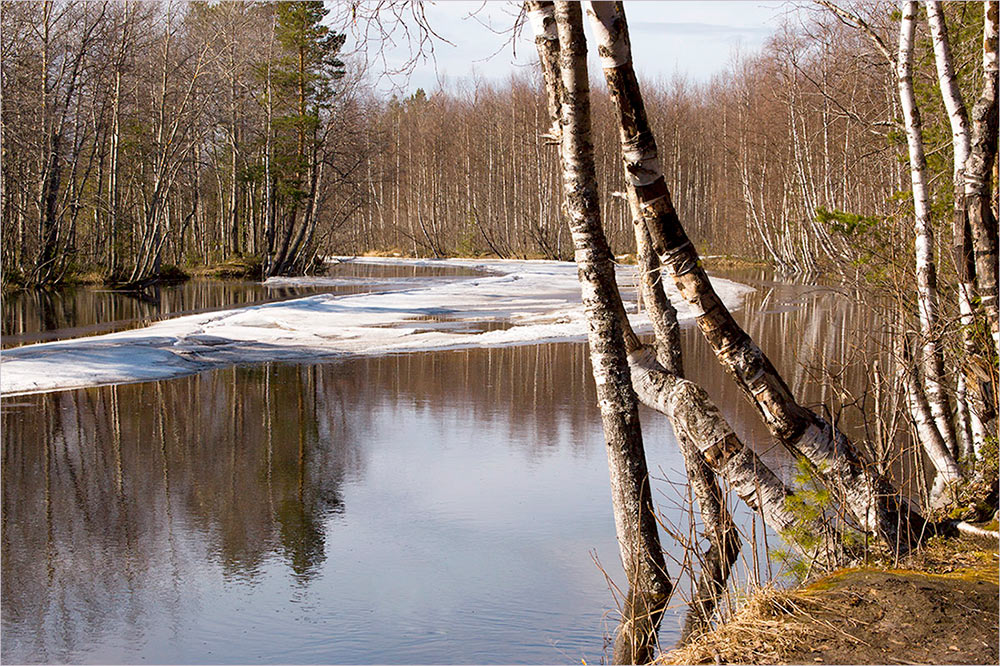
<point x="137" y="135"/>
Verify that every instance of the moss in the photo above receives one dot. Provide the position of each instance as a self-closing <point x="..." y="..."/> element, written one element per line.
<point x="172" y="273"/>
<point x="247" y="268"/>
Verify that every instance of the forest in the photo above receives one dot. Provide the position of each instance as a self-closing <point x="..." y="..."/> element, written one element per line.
<point x="147" y="144"/>
<point x="142" y="136"/>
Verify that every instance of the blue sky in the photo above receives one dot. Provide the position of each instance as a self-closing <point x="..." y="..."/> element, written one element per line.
<point x="694" y="38"/>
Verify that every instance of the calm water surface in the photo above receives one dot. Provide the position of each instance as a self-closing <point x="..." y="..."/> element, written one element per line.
<point x="437" y="507"/>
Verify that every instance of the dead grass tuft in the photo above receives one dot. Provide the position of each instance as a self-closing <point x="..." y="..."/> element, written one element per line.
<point x="772" y="622"/>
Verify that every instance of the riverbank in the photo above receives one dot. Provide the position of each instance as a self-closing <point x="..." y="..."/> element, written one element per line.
<point x="938" y="606"/>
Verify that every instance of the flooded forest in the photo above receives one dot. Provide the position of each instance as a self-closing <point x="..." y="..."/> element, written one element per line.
<point x="666" y="333"/>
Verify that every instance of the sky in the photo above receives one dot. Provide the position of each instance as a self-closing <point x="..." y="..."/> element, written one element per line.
<point x="693" y="38"/>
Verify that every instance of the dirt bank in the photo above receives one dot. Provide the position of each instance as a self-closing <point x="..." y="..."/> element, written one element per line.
<point x="940" y="608"/>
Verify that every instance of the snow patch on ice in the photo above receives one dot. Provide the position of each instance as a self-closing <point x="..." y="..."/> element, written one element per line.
<point x="530" y="301"/>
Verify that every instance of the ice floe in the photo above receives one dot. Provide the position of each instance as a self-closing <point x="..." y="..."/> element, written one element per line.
<point x="511" y="302"/>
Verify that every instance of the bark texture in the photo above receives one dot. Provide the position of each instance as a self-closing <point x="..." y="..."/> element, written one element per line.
<point x="634" y="518"/>
<point x="978" y="199"/>
<point x="868" y="495"/>
<point x="969" y="425"/>
<point x="931" y="358"/>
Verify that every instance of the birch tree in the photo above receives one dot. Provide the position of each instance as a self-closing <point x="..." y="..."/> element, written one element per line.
<point x="931" y="358"/>
<point x="635" y="522"/>
<point x="865" y="492"/>
<point x="978" y="202"/>
<point x="969" y="424"/>
<point x="708" y="444"/>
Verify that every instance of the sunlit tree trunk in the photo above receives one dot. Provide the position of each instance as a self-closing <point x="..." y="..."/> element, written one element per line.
<point x="635" y="521"/>
<point x="969" y="424"/>
<point x="869" y="496"/>
<point x="931" y="356"/>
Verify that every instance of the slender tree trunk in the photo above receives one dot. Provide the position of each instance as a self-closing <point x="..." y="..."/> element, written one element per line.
<point x="931" y="357"/>
<point x="978" y="198"/>
<point x="114" y="224"/>
<point x="969" y="424"/>
<point x="947" y="472"/>
<point x="635" y="521"/>
<point x="868" y="495"/>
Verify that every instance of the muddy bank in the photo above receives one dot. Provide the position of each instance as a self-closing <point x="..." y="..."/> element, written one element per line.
<point x="938" y="607"/>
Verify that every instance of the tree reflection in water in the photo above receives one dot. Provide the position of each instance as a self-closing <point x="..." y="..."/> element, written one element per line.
<point x="456" y="497"/>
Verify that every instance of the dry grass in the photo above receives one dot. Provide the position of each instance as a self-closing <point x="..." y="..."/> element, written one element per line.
<point x="834" y="614"/>
<point x="772" y="622"/>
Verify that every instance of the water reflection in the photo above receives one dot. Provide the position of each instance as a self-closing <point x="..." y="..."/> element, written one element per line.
<point x="404" y="509"/>
<point x="129" y="510"/>
<point x="97" y="484"/>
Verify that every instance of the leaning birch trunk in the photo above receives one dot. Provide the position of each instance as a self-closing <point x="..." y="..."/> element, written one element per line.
<point x="977" y="176"/>
<point x="724" y="539"/>
<point x="931" y="357"/>
<point x="867" y="494"/>
<point x="969" y="425"/>
<point x="695" y="417"/>
<point x="634" y="518"/>
<point x="694" y="421"/>
<point x="659" y="309"/>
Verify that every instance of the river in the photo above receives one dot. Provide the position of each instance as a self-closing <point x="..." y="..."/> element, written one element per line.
<point x="446" y="507"/>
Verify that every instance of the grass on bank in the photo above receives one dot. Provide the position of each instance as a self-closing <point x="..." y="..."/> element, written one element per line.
<point x="939" y="606"/>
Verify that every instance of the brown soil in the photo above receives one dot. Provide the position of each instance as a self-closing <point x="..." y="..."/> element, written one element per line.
<point x="941" y="611"/>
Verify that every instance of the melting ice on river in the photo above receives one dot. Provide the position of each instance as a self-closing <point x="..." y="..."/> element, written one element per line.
<point x="511" y="303"/>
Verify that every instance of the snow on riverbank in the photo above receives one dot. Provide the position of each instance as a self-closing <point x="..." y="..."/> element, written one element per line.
<point x="512" y="302"/>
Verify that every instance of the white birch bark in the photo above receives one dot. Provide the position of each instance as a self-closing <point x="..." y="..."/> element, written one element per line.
<point x="931" y="359"/>
<point x="969" y="424"/>
<point x="868" y="495"/>
<point x="634" y="518"/>
<point x="946" y="470"/>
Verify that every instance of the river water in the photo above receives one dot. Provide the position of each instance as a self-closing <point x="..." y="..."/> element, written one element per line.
<point x="448" y="507"/>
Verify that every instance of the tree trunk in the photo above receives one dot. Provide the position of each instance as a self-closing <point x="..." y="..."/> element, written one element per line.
<point x="947" y="472"/>
<point x="977" y="176"/>
<point x="968" y="420"/>
<point x="869" y="496"/>
<point x="931" y="357"/>
<point x="635" y="520"/>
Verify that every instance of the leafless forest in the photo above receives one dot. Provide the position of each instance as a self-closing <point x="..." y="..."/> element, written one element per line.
<point x="142" y="142"/>
<point x="137" y="136"/>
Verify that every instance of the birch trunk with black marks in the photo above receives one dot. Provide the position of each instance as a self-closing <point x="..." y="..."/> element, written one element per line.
<point x="635" y="521"/>
<point x="723" y="537"/>
<point x="659" y="309"/>
<point x="978" y="198"/>
<point x="931" y="356"/>
<point x="696" y="419"/>
<point x="969" y="424"/>
<point x="946" y="470"/>
<point x="867" y="494"/>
